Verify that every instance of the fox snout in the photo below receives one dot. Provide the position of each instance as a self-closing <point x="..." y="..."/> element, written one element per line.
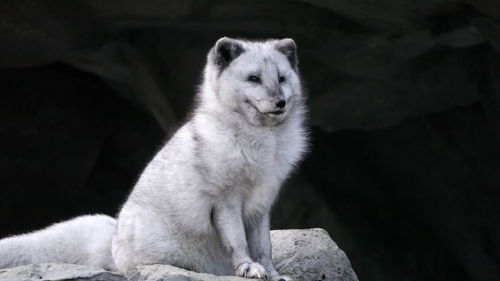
<point x="278" y="97"/>
<point x="281" y="103"/>
<point x="279" y="106"/>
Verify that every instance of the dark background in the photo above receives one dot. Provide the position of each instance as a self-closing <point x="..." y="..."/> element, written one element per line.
<point x="404" y="100"/>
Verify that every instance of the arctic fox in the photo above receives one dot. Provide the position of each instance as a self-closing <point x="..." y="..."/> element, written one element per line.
<point x="203" y="203"/>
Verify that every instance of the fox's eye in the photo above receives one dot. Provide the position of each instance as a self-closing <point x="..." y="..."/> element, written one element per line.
<point x="253" y="79"/>
<point x="281" y="79"/>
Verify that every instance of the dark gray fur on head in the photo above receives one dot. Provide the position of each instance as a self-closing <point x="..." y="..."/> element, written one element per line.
<point x="225" y="51"/>
<point x="289" y="49"/>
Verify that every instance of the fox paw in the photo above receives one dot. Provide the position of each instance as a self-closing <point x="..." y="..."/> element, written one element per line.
<point x="252" y="270"/>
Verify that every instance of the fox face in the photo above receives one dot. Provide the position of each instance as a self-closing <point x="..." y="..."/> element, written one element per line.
<point x="258" y="80"/>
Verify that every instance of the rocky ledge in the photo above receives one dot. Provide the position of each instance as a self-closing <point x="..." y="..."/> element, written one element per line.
<point x="304" y="255"/>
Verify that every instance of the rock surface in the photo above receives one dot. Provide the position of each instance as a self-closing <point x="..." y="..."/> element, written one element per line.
<point x="310" y="255"/>
<point x="305" y="255"/>
<point x="57" y="272"/>
<point x="160" y="272"/>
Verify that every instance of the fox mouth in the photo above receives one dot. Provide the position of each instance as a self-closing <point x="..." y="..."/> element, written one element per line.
<point x="272" y="113"/>
<point x="278" y="112"/>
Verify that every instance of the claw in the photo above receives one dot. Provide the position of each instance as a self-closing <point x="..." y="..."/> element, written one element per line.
<point x="281" y="278"/>
<point x="245" y="274"/>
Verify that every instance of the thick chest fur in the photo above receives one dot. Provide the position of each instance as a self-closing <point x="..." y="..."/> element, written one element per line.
<point x="254" y="170"/>
<point x="237" y="161"/>
<point x="253" y="159"/>
<point x="248" y="163"/>
<point x="246" y="159"/>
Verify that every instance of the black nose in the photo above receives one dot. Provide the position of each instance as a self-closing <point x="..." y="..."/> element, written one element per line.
<point x="281" y="103"/>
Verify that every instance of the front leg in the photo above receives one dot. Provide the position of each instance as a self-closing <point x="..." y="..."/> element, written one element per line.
<point x="259" y="239"/>
<point x="228" y="221"/>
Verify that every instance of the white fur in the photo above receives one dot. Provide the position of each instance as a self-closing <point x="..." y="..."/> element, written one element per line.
<point x="203" y="202"/>
<point x="84" y="240"/>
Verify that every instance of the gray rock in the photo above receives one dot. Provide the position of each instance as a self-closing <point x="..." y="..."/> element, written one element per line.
<point x="304" y="255"/>
<point x="57" y="272"/>
<point x="310" y="255"/>
<point x="160" y="272"/>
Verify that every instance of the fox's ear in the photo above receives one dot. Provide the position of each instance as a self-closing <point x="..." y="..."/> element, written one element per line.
<point x="226" y="50"/>
<point x="289" y="49"/>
